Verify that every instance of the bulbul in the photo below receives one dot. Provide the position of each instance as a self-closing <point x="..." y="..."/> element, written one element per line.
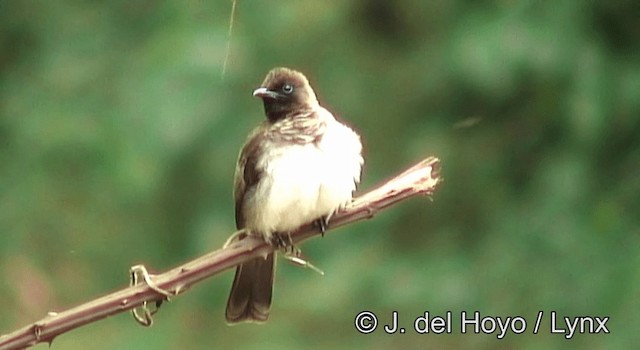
<point x="299" y="165"/>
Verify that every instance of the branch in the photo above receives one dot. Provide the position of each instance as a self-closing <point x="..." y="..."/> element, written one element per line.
<point x="422" y="178"/>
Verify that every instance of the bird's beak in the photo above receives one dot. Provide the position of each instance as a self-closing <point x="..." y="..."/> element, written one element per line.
<point x="263" y="92"/>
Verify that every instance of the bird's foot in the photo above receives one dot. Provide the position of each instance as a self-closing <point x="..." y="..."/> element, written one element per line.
<point x="282" y="241"/>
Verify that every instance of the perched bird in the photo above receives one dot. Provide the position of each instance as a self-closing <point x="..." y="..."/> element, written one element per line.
<point x="299" y="165"/>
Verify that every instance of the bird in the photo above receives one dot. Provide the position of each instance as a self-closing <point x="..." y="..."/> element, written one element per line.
<point x="300" y="165"/>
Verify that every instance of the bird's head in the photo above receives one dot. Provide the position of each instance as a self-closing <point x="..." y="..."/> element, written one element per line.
<point x="284" y="91"/>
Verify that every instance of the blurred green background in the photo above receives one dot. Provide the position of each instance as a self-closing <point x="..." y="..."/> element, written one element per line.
<point x="119" y="134"/>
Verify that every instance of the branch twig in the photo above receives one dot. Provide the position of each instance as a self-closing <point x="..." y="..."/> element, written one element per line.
<point x="422" y="178"/>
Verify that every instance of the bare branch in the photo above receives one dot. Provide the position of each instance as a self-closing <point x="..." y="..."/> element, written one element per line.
<point x="422" y="178"/>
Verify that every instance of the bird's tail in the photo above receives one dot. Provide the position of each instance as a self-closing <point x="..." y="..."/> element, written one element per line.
<point x="250" y="297"/>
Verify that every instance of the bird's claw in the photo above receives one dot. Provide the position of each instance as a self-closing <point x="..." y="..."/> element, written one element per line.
<point x="323" y="224"/>
<point x="282" y="241"/>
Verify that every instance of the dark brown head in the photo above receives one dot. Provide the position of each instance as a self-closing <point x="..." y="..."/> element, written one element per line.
<point x="284" y="91"/>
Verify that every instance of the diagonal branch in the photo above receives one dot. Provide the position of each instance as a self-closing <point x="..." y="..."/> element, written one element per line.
<point x="422" y="178"/>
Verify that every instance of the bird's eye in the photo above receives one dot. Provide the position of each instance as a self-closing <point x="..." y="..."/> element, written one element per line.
<point x="287" y="88"/>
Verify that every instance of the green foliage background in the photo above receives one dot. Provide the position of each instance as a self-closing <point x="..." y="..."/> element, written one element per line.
<point x="118" y="137"/>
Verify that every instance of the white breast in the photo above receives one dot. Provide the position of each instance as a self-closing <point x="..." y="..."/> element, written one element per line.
<point x="305" y="182"/>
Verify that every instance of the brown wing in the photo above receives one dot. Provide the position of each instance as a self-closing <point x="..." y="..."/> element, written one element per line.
<point x="246" y="176"/>
<point x="302" y="127"/>
<point x="251" y="291"/>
